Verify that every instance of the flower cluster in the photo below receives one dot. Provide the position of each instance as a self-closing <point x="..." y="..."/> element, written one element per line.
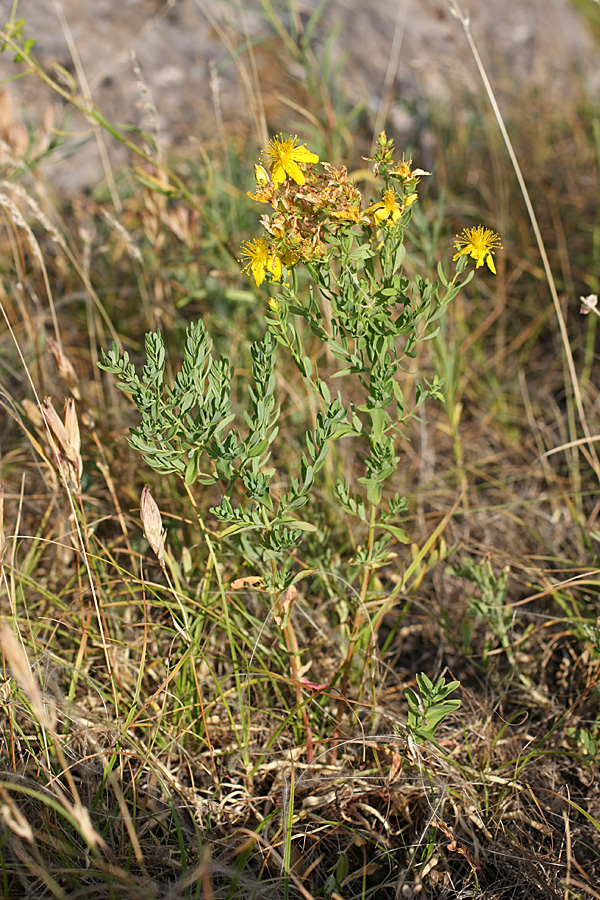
<point x="308" y="204"/>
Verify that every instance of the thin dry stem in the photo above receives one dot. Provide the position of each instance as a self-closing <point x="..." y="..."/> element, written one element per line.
<point x="463" y="18"/>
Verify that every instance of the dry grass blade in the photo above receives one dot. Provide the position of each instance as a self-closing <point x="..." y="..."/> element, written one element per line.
<point x="2" y="534"/>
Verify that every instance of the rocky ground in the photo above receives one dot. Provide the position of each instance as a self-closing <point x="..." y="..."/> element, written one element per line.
<point x="178" y="68"/>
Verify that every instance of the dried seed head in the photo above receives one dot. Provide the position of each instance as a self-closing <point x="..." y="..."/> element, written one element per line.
<point x="54" y="423"/>
<point x="67" y="438"/>
<point x="33" y="413"/>
<point x="73" y="451"/>
<point x="152" y="524"/>
<point x="17" y="661"/>
<point x="65" y="368"/>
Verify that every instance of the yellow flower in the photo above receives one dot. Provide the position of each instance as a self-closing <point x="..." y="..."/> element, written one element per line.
<point x="403" y="171"/>
<point x="387" y="208"/>
<point x="478" y="243"/>
<point x="260" y="260"/>
<point x="283" y="157"/>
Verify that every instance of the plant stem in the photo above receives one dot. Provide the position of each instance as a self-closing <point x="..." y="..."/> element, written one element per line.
<point x="293" y="650"/>
<point x="240" y="687"/>
<point x="291" y="643"/>
<point x="359" y="618"/>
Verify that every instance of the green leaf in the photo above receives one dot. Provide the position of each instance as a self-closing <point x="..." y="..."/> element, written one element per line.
<point x="441" y="275"/>
<point x="299" y="524"/>
<point x="373" y="491"/>
<point x="238" y="527"/>
<point x="191" y="472"/>
<point x="397" y="532"/>
<point x="438" y="713"/>
<point x="258" y="449"/>
<point x="324" y="391"/>
<point x="365" y="251"/>
<point x="380" y="418"/>
<point x="399" y="257"/>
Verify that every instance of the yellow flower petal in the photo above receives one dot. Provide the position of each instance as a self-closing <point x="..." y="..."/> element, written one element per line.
<point x="283" y="156"/>
<point x="304" y="155"/>
<point x="259" y="259"/>
<point x="387" y="208"/>
<point x="294" y="171"/>
<point x="278" y="173"/>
